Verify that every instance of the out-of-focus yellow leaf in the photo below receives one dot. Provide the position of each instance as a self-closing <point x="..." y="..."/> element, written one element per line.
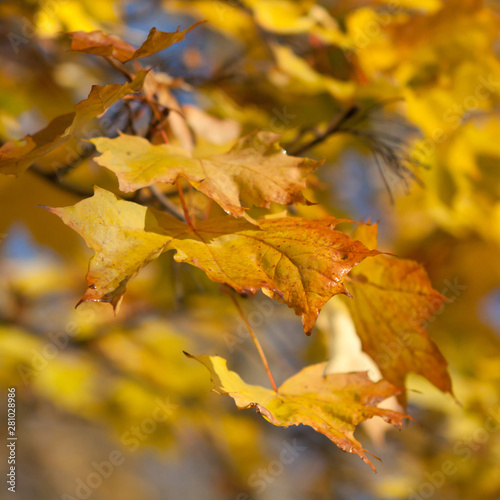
<point x="310" y="81"/>
<point x="214" y="130"/>
<point x="221" y="15"/>
<point x="305" y="17"/>
<point x="367" y="40"/>
<point x="282" y="16"/>
<point x="54" y="17"/>
<point x="430" y="6"/>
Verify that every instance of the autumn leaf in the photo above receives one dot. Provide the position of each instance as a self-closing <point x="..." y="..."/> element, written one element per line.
<point x="15" y="157"/>
<point x="125" y="236"/>
<point x="331" y="404"/>
<point x="282" y="16"/>
<point x="308" y="80"/>
<point x="214" y="130"/>
<point x="256" y="171"/>
<point x="420" y="81"/>
<point x="392" y="300"/>
<point x="301" y="262"/>
<point x="287" y="17"/>
<point x="96" y="42"/>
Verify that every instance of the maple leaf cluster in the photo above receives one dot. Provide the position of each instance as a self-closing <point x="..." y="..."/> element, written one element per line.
<point x="301" y="262"/>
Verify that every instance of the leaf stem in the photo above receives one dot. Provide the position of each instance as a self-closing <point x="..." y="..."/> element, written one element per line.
<point x="254" y="338"/>
<point x="166" y="203"/>
<point x="119" y="68"/>
<point x="152" y="104"/>
<point x="54" y="179"/>
<point x="184" y="206"/>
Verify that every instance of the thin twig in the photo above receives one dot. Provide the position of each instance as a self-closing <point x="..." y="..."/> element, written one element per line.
<point x="363" y="115"/>
<point x="334" y="126"/>
<point x="226" y="290"/>
<point x="184" y="206"/>
<point x="168" y="205"/>
<point x="54" y="179"/>
<point x="131" y="122"/>
<point x="119" y="68"/>
<point x="158" y="116"/>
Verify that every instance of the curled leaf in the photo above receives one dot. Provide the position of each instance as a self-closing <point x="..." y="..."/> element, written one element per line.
<point x="96" y="42"/>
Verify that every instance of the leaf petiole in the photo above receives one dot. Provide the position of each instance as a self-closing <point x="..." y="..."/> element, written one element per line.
<point x="252" y="334"/>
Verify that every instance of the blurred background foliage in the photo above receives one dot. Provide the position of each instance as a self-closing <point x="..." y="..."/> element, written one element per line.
<point x="423" y="77"/>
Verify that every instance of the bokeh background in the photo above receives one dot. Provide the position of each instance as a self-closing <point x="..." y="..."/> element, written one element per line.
<point x="90" y="386"/>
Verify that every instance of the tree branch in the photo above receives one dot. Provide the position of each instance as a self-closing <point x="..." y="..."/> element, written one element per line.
<point x="335" y="126"/>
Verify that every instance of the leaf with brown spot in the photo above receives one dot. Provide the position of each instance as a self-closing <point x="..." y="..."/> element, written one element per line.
<point x="300" y="262"/>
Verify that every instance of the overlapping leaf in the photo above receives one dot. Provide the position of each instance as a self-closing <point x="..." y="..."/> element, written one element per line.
<point x="392" y="300"/>
<point x="290" y="17"/>
<point x="308" y="79"/>
<point x="331" y="404"/>
<point x="96" y="42"/>
<point x="256" y="171"/>
<point x="15" y="157"/>
<point x="301" y="262"/>
<point x="125" y="236"/>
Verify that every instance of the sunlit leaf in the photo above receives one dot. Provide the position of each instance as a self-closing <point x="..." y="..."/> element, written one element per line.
<point x="256" y="171"/>
<point x="301" y="262"/>
<point x="331" y="404"/>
